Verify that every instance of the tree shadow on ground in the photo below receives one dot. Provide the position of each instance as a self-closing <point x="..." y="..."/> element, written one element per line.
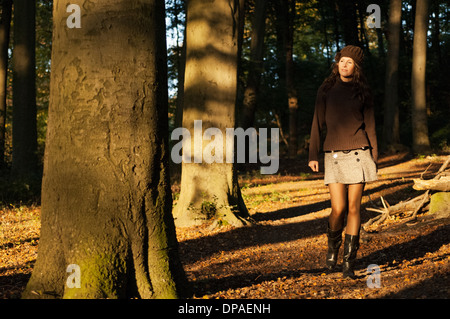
<point x="417" y="291"/>
<point x="409" y="250"/>
<point x="11" y="286"/>
<point x="255" y="235"/>
<point x="291" y="212"/>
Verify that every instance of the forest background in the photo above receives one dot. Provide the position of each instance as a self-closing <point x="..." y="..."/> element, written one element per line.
<point x="300" y="41"/>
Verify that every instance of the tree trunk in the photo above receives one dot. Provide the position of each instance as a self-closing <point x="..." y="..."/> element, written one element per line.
<point x="180" y="87"/>
<point x="285" y="33"/>
<point x="349" y="21"/>
<point x="421" y="142"/>
<point x="335" y="9"/>
<point x="290" y="85"/>
<point x="256" y="64"/>
<point x="323" y="16"/>
<point x="210" y="191"/>
<point x="5" y="27"/>
<point x="435" y="36"/>
<point x="181" y="65"/>
<point x="24" y="91"/>
<point x="380" y="42"/>
<point x="106" y="200"/>
<point x="442" y="184"/>
<point x="391" y="130"/>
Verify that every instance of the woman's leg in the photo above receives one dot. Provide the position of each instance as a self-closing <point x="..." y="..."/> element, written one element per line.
<point x="351" y="243"/>
<point x="338" y="195"/>
<point x="355" y="192"/>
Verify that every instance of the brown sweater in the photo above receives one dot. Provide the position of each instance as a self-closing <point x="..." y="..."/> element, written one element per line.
<point x="350" y="124"/>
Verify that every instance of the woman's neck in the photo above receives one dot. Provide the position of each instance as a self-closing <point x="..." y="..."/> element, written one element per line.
<point x="346" y="79"/>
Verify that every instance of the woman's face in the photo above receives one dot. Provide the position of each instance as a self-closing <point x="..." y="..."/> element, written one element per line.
<point x="346" y="66"/>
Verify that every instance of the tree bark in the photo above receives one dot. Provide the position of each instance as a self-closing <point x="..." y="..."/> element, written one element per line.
<point x="181" y="65"/>
<point x="349" y="21"/>
<point x="24" y="157"/>
<point x="210" y="191"/>
<point x="436" y="35"/>
<point x="256" y="64"/>
<point x="285" y="32"/>
<point x="106" y="200"/>
<point x="335" y="8"/>
<point x="290" y="85"/>
<point x="419" y="119"/>
<point x="5" y="27"/>
<point x="391" y="129"/>
<point x="442" y="184"/>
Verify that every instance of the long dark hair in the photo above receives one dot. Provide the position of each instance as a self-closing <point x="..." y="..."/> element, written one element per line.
<point x="360" y="85"/>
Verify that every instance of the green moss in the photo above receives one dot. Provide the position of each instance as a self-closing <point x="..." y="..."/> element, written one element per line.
<point x="102" y="275"/>
<point x="440" y="204"/>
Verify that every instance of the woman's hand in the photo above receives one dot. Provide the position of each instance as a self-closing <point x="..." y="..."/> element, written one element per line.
<point x="314" y="166"/>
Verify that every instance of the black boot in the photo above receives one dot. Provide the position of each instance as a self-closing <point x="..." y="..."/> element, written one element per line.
<point x="351" y="245"/>
<point x="334" y="242"/>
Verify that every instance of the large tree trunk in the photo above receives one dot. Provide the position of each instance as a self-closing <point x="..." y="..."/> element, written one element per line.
<point x="106" y="201"/>
<point x="391" y="130"/>
<point x="210" y="191"/>
<point x="24" y="91"/>
<point x="421" y="140"/>
<point x="5" y="26"/>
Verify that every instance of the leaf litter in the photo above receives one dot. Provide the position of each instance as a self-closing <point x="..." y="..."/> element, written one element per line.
<point x="281" y="256"/>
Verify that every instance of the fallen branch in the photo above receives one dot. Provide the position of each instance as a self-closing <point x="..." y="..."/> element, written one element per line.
<point x="442" y="184"/>
<point x="425" y="199"/>
<point x="385" y="213"/>
<point x="413" y="205"/>
<point x="443" y="167"/>
<point x="408" y="205"/>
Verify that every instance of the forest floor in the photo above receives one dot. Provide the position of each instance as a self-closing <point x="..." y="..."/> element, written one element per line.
<point x="282" y="254"/>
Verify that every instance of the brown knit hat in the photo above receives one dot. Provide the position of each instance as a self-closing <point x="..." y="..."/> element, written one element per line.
<point x="351" y="51"/>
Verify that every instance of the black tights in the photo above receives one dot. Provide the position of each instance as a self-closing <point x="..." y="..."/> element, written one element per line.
<point x="346" y="198"/>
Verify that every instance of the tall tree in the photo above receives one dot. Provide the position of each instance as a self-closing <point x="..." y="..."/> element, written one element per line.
<point x="290" y="82"/>
<point x="419" y="119"/>
<point x="5" y="25"/>
<point x="210" y="191"/>
<point x="256" y="63"/>
<point x="285" y="32"/>
<point x="435" y="36"/>
<point x="24" y="163"/>
<point x="106" y="200"/>
<point x="391" y="129"/>
<point x="335" y="10"/>
<point x="349" y="20"/>
<point x="180" y="56"/>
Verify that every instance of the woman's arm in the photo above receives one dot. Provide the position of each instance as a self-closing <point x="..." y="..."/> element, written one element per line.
<point x="317" y="126"/>
<point x="369" y="121"/>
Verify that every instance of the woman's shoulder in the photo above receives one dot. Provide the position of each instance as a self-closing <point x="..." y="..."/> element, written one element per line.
<point x="323" y="89"/>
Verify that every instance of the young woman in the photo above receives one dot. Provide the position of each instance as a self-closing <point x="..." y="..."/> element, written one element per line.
<point x="344" y="106"/>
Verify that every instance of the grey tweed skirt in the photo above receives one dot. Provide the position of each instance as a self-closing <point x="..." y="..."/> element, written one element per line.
<point x="349" y="167"/>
